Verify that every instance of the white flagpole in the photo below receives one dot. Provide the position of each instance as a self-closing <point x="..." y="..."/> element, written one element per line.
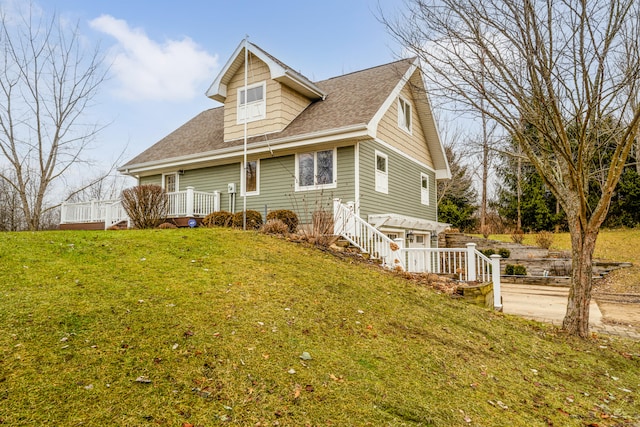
<point x="244" y="160"/>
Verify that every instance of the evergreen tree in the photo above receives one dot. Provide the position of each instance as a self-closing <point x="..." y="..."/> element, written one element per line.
<point x="457" y="196"/>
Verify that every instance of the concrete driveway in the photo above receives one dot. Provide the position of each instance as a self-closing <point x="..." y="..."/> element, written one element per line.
<point x="549" y="304"/>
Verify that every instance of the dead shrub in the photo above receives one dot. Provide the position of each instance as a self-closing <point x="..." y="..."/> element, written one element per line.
<point x="286" y="216"/>
<point x="320" y="231"/>
<point x="218" y="219"/>
<point x="167" y="226"/>
<point x="544" y="239"/>
<point x="254" y="219"/>
<point x="275" y="226"/>
<point x="517" y="236"/>
<point x="146" y="205"/>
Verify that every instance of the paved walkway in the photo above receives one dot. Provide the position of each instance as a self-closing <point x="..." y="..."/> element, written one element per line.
<point x="549" y="304"/>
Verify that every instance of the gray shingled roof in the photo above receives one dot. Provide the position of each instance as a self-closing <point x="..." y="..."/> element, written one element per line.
<point x="352" y="99"/>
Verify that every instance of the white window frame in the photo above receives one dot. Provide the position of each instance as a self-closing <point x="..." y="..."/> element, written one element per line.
<point x="381" y="177"/>
<point x="424" y="192"/>
<point x="315" y="185"/>
<point x="243" y="178"/>
<point x="164" y="180"/>
<point x="403" y="104"/>
<point x="257" y="109"/>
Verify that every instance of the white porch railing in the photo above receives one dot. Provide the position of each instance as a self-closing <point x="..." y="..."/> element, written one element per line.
<point x="468" y="264"/>
<point x="180" y="204"/>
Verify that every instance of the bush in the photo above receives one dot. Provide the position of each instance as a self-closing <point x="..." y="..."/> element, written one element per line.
<point x="286" y="216"/>
<point x="544" y="239"/>
<point x="254" y="220"/>
<point x="515" y="270"/>
<point x="517" y="236"/>
<point x="167" y="225"/>
<point x="218" y="219"/>
<point x="146" y="205"/>
<point x="275" y="226"/>
<point x="504" y="252"/>
<point x="487" y="252"/>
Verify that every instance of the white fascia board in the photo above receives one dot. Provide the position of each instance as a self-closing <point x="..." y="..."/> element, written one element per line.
<point x="375" y="121"/>
<point x="349" y="132"/>
<point x="215" y="90"/>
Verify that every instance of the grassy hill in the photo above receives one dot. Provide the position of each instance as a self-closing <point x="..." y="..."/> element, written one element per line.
<point x="207" y="327"/>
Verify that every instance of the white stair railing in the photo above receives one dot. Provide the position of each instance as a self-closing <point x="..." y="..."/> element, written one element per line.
<point x="365" y="237"/>
<point x="467" y="264"/>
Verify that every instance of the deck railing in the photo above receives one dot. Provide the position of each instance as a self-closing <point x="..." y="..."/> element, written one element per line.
<point x="185" y="203"/>
<point x="467" y="264"/>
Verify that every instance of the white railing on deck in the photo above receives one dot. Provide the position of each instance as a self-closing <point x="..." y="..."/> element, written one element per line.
<point x="467" y="264"/>
<point x="180" y="204"/>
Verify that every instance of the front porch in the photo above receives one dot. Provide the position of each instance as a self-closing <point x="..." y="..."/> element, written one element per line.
<point x="102" y="214"/>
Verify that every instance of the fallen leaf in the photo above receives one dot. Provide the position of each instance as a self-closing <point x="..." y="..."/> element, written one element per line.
<point x="305" y="356"/>
<point x="309" y="388"/>
<point x="143" y="380"/>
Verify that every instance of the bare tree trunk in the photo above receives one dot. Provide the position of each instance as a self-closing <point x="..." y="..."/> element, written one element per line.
<point x="485" y="178"/>
<point x="583" y="243"/>
<point x="519" y="192"/>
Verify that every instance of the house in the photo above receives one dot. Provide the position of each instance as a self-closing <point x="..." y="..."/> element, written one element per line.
<point x="368" y="138"/>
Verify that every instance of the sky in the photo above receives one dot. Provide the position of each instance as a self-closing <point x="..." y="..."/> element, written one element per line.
<point x="165" y="54"/>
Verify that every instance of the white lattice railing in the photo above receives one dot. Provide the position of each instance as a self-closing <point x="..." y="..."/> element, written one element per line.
<point x="467" y="264"/>
<point x="180" y="204"/>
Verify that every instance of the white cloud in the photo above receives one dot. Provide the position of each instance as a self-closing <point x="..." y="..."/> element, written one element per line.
<point x="175" y="70"/>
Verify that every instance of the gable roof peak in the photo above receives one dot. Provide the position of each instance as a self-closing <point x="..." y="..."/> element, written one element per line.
<point x="279" y="71"/>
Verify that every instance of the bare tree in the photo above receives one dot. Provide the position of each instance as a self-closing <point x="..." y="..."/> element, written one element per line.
<point x="548" y="72"/>
<point x="48" y="79"/>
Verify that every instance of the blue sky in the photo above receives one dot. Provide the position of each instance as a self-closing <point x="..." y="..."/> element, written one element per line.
<point x="165" y="54"/>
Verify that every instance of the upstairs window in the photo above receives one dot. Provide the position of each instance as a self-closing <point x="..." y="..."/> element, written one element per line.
<point x="424" y="189"/>
<point x="251" y="103"/>
<point x="404" y="115"/>
<point x="316" y="170"/>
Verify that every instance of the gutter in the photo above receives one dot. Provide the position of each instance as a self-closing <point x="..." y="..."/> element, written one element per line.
<point x="347" y="132"/>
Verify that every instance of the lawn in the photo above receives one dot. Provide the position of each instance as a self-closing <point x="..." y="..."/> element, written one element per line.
<point x="207" y="327"/>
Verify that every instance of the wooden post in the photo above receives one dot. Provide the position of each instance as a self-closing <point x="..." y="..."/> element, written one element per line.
<point x="495" y="278"/>
<point x="190" y="201"/>
<point x="471" y="262"/>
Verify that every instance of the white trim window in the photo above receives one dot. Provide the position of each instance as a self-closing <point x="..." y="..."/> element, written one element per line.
<point x="252" y="177"/>
<point x="424" y="188"/>
<point x="404" y="114"/>
<point x="382" y="172"/>
<point x="254" y="105"/>
<point x="316" y="170"/>
<point x="170" y="182"/>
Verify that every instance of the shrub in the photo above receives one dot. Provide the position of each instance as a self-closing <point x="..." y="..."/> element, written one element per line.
<point x="515" y="270"/>
<point x="275" y="226"/>
<point x="544" y="239"/>
<point x="167" y="225"/>
<point x="504" y="252"/>
<point x="218" y="219"/>
<point x="487" y="252"/>
<point x="517" y="236"/>
<point x="146" y="205"/>
<point x="254" y="219"/>
<point x="288" y="217"/>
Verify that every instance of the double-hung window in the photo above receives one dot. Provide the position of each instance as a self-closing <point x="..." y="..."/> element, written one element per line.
<point x="252" y="178"/>
<point x="404" y="115"/>
<point x="382" y="173"/>
<point x="251" y="103"/>
<point x="424" y="189"/>
<point x="316" y="170"/>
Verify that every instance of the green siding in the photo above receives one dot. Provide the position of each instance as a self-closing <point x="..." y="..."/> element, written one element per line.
<point x="403" y="197"/>
<point x="276" y="185"/>
<point x="150" y="180"/>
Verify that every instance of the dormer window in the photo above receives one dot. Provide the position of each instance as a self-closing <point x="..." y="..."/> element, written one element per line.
<point x="251" y="103"/>
<point x="404" y="115"/>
